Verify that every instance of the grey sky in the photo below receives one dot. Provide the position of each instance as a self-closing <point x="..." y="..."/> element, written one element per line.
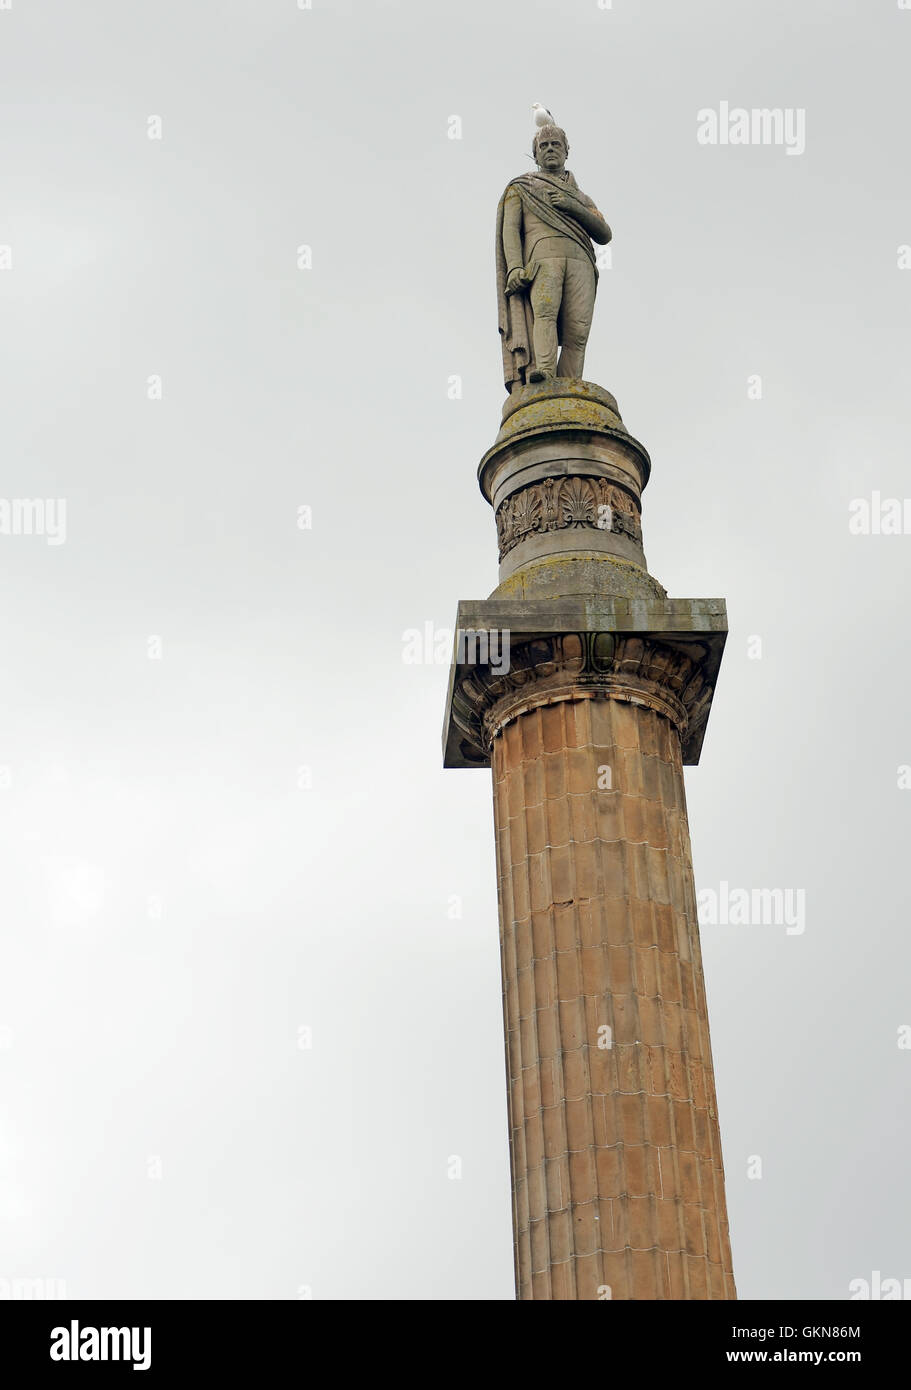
<point x="175" y="905"/>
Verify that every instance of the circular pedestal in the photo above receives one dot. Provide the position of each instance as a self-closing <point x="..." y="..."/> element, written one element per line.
<point x="565" y="480"/>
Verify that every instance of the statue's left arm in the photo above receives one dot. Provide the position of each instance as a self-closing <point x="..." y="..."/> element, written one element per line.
<point x="583" y="210"/>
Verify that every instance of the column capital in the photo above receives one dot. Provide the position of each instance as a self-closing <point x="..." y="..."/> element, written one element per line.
<point x="509" y="657"/>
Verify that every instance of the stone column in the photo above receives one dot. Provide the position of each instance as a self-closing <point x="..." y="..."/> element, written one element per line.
<point x="586" y="689"/>
<point x="616" y="1157"/>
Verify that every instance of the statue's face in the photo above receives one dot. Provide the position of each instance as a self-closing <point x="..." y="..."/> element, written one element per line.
<point x="551" y="155"/>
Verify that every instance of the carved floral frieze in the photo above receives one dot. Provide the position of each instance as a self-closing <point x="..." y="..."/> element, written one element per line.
<point x="557" y="503"/>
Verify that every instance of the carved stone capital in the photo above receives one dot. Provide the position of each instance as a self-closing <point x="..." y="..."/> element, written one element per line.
<point x="574" y="666"/>
<point x="660" y="654"/>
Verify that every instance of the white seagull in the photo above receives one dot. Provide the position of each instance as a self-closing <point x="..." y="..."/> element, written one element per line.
<point x="542" y="115"/>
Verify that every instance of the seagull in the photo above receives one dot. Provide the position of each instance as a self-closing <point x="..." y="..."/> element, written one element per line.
<point x="542" y="115"/>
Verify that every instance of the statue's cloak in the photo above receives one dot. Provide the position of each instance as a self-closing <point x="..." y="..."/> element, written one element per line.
<point x="516" y="320"/>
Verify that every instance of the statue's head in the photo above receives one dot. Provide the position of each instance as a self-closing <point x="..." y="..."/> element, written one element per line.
<point x="550" y="148"/>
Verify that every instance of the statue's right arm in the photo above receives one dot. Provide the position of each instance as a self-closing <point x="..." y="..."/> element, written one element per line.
<point x="512" y="232"/>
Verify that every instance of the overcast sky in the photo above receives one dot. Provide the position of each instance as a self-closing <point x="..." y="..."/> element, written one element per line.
<point x="225" y="831"/>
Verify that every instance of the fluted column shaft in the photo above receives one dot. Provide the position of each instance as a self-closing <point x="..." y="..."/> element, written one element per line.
<point x="618" y="1184"/>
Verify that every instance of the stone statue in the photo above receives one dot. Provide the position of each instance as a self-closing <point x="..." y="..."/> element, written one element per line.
<point x="546" y="271"/>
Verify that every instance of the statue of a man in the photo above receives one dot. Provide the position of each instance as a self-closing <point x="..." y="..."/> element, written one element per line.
<point x="546" y="271"/>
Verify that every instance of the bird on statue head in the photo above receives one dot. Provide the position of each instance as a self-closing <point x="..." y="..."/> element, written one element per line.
<point x="542" y="115"/>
